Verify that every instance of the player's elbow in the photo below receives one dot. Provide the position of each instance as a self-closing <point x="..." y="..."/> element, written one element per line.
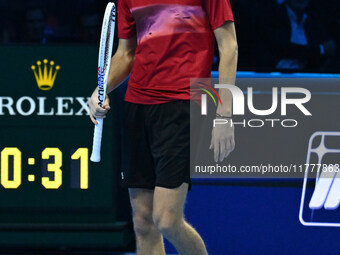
<point x="236" y="48"/>
<point x="129" y="57"/>
<point x="230" y="48"/>
<point x="124" y="57"/>
<point x="229" y="55"/>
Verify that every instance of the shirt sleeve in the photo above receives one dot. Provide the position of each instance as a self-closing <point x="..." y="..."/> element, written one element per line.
<point x="126" y="22"/>
<point x="218" y="11"/>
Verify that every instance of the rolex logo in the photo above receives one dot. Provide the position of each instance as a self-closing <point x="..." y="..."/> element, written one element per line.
<point x="45" y="76"/>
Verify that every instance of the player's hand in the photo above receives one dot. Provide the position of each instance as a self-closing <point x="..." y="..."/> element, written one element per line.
<point x="222" y="141"/>
<point x="97" y="112"/>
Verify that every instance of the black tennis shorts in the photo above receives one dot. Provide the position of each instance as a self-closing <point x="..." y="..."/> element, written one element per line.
<point x="156" y="145"/>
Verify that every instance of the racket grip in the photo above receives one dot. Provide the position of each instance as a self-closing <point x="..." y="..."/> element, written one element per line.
<point x="97" y="140"/>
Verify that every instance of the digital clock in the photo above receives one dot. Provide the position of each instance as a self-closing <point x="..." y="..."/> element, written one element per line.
<point x="12" y="156"/>
<point x="48" y="185"/>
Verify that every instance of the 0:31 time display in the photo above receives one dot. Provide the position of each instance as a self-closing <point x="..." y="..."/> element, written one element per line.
<point x="11" y="164"/>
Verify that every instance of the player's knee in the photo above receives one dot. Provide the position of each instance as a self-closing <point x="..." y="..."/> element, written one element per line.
<point x="142" y="223"/>
<point x="168" y="223"/>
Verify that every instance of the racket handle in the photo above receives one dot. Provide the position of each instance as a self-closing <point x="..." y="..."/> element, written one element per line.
<point x="97" y="140"/>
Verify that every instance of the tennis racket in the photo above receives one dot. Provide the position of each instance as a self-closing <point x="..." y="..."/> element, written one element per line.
<point x="104" y="61"/>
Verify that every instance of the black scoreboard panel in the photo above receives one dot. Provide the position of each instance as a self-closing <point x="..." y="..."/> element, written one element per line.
<point x="47" y="182"/>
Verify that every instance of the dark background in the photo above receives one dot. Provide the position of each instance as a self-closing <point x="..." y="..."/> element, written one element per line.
<point x="262" y="29"/>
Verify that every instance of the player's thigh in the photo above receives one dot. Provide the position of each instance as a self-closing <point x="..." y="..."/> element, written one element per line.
<point x="141" y="200"/>
<point x="168" y="204"/>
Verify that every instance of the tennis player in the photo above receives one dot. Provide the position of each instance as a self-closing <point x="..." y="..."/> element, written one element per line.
<point x="164" y="43"/>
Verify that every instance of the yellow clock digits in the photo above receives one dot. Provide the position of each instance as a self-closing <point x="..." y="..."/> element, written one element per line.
<point x="53" y="167"/>
<point x="83" y="155"/>
<point x="5" y="182"/>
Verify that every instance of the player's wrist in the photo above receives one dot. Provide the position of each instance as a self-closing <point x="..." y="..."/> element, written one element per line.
<point x="220" y="116"/>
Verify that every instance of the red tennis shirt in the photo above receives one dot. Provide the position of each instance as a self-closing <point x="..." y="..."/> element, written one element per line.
<point x="175" y="42"/>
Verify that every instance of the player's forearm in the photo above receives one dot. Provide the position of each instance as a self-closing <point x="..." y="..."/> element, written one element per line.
<point x="227" y="75"/>
<point x="121" y="65"/>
